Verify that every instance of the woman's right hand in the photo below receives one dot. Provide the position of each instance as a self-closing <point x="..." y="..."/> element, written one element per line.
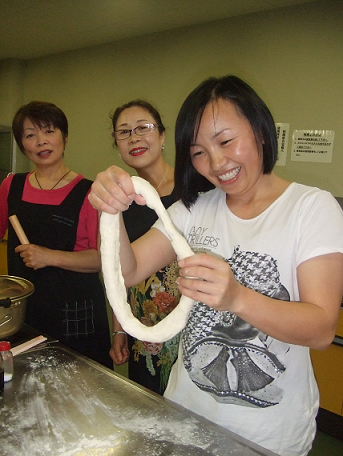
<point x="119" y="351"/>
<point x="113" y="191"/>
<point x="34" y="256"/>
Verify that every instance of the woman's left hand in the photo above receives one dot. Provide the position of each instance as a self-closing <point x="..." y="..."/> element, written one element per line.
<point x="208" y="279"/>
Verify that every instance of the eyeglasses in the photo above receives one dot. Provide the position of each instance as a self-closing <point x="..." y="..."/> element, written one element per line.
<point x="140" y="130"/>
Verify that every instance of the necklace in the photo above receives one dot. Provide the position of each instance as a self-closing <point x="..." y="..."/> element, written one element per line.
<point x="159" y="185"/>
<point x="59" y="180"/>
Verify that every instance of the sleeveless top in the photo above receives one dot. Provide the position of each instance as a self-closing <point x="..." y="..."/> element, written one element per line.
<point x="67" y="305"/>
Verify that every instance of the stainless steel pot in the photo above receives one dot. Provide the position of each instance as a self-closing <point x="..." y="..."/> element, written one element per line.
<point x="13" y="295"/>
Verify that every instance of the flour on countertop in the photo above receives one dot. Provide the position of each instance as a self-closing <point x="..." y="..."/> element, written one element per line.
<point x="49" y="418"/>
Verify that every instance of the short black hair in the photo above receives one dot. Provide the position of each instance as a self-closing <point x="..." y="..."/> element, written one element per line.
<point x="41" y="114"/>
<point x="188" y="182"/>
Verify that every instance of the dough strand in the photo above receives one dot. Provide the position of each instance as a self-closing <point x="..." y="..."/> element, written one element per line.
<point x="114" y="281"/>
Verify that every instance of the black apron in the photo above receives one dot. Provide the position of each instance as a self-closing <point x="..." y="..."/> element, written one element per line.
<point x="67" y="305"/>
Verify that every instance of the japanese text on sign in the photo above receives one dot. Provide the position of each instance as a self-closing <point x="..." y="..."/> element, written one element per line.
<point x="312" y="145"/>
<point x="282" y="132"/>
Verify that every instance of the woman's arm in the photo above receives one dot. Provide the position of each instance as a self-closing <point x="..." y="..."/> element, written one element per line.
<point x="310" y="322"/>
<point x="119" y="351"/>
<point x="152" y="252"/>
<point x="112" y="192"/>
<point x="37" y="257"/>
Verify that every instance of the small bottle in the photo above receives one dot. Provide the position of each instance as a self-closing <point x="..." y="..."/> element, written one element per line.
<point x="7" y="360"/>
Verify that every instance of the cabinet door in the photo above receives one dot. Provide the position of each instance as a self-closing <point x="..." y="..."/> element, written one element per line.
<point x="339" y="329"/>
<point x="328" y="369"/>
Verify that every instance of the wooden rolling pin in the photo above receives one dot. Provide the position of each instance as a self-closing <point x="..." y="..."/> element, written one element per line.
<point x="27" y="345"/>
<point x="18" y="229"/>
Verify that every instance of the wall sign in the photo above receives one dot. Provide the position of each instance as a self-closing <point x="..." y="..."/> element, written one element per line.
<point x="312" y="145"/>
<point x="282" y="131"/>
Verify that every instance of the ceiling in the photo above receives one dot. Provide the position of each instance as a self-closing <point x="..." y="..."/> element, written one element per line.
<point x="34" y="28"/>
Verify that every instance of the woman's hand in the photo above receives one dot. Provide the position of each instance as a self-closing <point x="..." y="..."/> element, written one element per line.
<point x="210" y="280"/>
<point x="309" y="322"/>
<point x="37" y="257"/>
<point x="119" y="351"/>
<point x="113" y="191"/>
<point x="34" y="256"/>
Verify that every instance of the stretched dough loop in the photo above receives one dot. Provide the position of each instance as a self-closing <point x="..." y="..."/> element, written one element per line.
<point x="114" y="281"/>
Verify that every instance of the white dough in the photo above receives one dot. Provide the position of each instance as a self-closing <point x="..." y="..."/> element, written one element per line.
<point x="114" y="282"/>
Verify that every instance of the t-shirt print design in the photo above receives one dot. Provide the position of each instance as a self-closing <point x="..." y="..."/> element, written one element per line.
<point x="227" y="357"/>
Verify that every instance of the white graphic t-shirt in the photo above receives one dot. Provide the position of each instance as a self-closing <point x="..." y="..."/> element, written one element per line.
<point x="227" y="370"/>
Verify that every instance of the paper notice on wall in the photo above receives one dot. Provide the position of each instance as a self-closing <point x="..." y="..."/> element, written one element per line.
<point x="282" y="131"/>
<point x="312" y="145"/>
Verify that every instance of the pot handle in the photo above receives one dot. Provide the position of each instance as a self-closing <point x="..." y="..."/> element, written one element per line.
<point x="6" y="319"/>
<point x="6" y="302"/>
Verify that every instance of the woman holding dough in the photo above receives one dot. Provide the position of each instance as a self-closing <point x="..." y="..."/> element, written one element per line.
<point x="266" y="279"/>
<point x="61" y="259"/>
<point x="139" y="135"/>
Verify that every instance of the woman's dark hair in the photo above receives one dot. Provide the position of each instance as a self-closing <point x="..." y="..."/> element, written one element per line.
<point x="141" y="104"/>
<point x="41" y="114"/>
<point x="188" y="182"/>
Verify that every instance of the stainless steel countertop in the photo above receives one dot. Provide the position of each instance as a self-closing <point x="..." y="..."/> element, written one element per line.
<point x="60" y="403"/>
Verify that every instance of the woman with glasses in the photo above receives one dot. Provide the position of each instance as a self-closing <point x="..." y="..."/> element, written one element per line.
<point x="139" y="135"/>
<point x="61" y="259"/>
<point x="266" y="279"/>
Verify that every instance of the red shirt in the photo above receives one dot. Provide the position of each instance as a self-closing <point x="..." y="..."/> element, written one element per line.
<point x="87" y="229"/>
